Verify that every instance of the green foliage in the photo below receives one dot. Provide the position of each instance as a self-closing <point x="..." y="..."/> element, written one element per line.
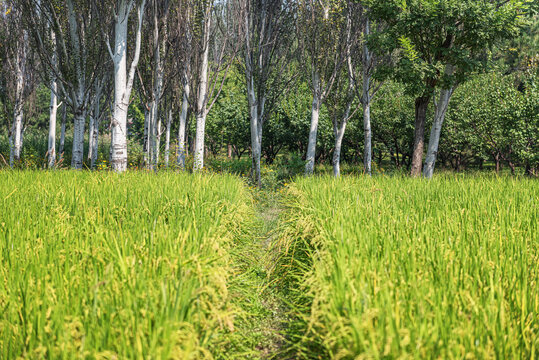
<point x="427" y="35"/>
<point x="237" y="167"/>
<point x="489" y="118"/>
<point x="393" y="131"/>
<point x="228" y="121"/>
<point x="392" y="267"/>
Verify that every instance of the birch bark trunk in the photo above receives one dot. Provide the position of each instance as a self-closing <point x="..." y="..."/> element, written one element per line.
<point x="53" y="109"/>
<point x="315" y="115"/>
<point x="16" y="130"/>
<point x="78" y="140"/>
<point x="339" y="130"/>
<point x="157" y="89"/>
<point x="182" y="143"/>
<point x="367" y="154"/>
<point x="51" y="148"/>
<point x="202" y="100"/>
<point x="255" y="115"/>
<point x="153" y="134"/>
<point x="159" y="132"/>
<point x="366" y="104"/>
<point x="255" y="136"/>
<point x="146" y="141"/>
<point x="77" y="97"/>
<point x="434" y="140"/>
<point x="123" y="82"/>
<point x="184" y="111"/>
<point x="63" y="133"/>
<point x="95" y="120"/>
<point x="167" y="138"/>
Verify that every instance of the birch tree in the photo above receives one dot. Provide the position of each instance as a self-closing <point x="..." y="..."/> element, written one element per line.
<point x="17" y="72"/>
<point x="433" y="36"/>
<point x="211" y="31"/>
<point x="167" y="137"/>
<point x="358" y="70"/>
<point x="79" y="50"/>
<point x="160" y="37"/>
<point x="267" y="50"/>
<point x="364" y="63"/>
<point x="53" y="108"/>
<point x="439" y="115"/>
<point x="123" y="79"/>
<point x="368" y="90"/>
<point x="322" y="28"/>
<point x="20" y="67"/>
<point x="181" y="49"/>
<point x="100" y="90"/>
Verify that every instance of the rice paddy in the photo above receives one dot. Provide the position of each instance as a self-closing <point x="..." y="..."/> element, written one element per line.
<point x="98" y="265"/>
<point x="179" y="266"/>
<point x="403" y="268"/>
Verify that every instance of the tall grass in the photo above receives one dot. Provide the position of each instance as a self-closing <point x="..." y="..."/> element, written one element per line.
<point x="393" y="267"/>
<point x="98" y="265"/>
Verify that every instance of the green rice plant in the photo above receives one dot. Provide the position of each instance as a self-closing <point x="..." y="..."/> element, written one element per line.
<point x="394" y="267"/>
<point x="107" y="266"/>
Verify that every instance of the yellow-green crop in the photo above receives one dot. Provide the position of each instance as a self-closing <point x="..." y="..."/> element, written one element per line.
<point x="105" y="266"/>
<point x="395" y="267"/>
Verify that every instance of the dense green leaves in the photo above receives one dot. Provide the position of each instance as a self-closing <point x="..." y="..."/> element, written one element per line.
<point x="433" y="33"/>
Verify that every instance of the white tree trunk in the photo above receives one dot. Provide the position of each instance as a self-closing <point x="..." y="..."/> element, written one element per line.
<point x="157" y="89"/>
<point x="315" y="115"/>
<point x="182" y="149"/>
<point x="152" y="134"/>
<point x="366" y="104"/>
<point x="77" y="97"/>
<point x="121" y="98"/>
<point x="159" y="132"/>
<point x="367" y="152"/>
<point x="202" y="99"/>
<point x="167" y="138"/>
<point x="16" y="130"/>
<point x="16" y="136"/>
<point x="51" y="149"/>
<point x="63" y="132"/>
<point x="434" y="140"/>
<point x="199" y="142"/>
<point x="91" y="127"/>
<point x="146" y="141"/>
<point x="53" y="109"/>
<point x="123" y="82"/>
<point x="339" y="135"/>
<point x="255" y="111"/>
<point x="339" y="130"/>
<point x="78" y="140"/>
<point x="255" y="135"/>
<point x="94" y="130"/>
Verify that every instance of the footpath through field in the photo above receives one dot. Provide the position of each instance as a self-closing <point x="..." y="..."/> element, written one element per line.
<point x="264" y="310"/>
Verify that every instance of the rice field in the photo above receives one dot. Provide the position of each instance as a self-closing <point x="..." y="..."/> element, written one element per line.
<point x="141" y="265"/>
<point x="395" y="267"/>
<point x="106" y="266"/>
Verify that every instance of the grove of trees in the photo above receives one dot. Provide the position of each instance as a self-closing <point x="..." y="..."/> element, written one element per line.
<point x="410" y="84"/>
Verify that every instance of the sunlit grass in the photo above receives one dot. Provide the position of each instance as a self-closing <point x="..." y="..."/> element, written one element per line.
<point x="393" y="267"/>
<point x="129" y="266"/>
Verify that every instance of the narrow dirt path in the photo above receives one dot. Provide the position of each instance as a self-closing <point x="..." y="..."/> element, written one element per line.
<point x="264" y="323"/>
<point x="274" y="328"/>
